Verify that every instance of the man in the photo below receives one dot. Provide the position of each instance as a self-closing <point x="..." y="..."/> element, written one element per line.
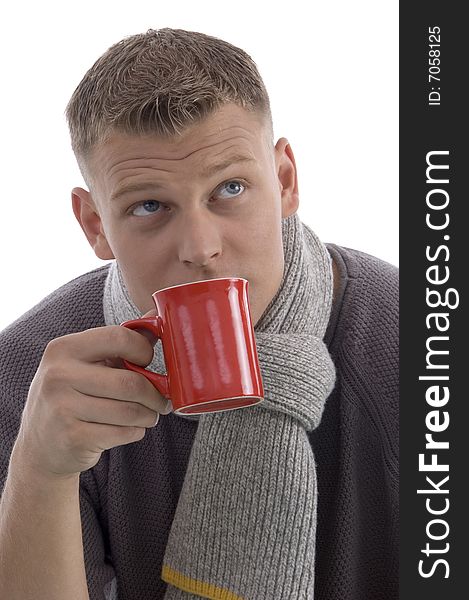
<point x="172" y="132"/>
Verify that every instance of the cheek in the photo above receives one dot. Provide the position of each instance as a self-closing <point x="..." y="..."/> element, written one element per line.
<point x="262" y="255"/>
<point x="142" y="261"/>
<point x="265" y="235"/>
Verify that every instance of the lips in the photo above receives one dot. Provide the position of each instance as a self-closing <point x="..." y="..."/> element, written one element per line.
<point x="206" y="277"/>
<point x="199" y="278"/>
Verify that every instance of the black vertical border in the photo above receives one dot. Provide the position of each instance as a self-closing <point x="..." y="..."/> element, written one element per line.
<point x="423" y="129"/>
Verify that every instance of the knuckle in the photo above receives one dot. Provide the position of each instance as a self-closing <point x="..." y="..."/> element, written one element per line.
<point x="115" y="334"/>
<point x="138" y="416"/>
<point x="54" y="375"/>
<point x="54" y="347"/>
<point x="118" y="339"/>
<point x="132" y="413"/>
<point x="136" y="434"/>
<point x="138" y="342"/>
<point x="63" y="344"/>
<point x="132" y="384"/>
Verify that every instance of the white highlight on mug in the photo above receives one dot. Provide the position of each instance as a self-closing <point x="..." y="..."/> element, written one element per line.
<point x="188" y="337"/>
<point x="213" y="316"/>
<point x="243" y="358"/>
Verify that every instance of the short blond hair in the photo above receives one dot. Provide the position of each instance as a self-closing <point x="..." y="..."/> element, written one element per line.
<point x="161" y="82"/>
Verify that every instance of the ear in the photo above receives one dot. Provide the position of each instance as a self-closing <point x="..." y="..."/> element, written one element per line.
<point x="287" y="177"/>
<point x="88" y="216"/>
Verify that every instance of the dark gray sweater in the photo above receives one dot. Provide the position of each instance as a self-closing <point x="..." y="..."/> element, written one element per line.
<point x="128" y="499"/>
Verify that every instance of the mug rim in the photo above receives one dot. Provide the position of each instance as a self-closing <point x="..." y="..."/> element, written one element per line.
<point x="216" y="401"/>
<point x="170" y="287"/>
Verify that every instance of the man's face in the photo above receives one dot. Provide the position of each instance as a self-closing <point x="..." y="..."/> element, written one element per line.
<point x="204" y="205"/>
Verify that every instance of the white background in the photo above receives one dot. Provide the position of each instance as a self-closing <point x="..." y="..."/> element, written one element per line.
<point x="331" y="69"/>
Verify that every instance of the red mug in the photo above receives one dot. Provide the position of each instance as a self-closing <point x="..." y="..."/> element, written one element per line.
<point x="209" y="346"/>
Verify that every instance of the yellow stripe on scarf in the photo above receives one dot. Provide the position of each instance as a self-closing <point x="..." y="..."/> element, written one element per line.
<point x="194" y="586"/>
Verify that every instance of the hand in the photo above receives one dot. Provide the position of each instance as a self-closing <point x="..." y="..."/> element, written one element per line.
<point x="82" y="402"/>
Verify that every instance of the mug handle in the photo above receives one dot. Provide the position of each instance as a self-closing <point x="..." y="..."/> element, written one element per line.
<point x="154" y="326"/>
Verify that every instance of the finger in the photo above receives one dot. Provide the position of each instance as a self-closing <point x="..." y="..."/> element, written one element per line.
<point x="104" y="343"/>
<point x="115" y="412"/>
<point x="98" y="437"/>
<point x="117" y="384"/>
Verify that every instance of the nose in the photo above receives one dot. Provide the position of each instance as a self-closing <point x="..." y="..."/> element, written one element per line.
<point x="199" y="240"/>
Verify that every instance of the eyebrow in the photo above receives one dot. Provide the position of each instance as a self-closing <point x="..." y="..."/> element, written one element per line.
<point x="224" y="164"/>
<point x="207" y="171"/>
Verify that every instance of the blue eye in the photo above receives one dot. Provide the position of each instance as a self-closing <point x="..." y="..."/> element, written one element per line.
<point x="146" y="208"/>
<point x="233" y="188"/>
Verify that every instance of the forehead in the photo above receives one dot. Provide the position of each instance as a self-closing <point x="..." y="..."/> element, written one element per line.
<point x="229" y="131"/>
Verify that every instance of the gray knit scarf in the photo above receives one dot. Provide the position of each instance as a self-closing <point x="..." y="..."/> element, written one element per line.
<point x="245" y="523"/>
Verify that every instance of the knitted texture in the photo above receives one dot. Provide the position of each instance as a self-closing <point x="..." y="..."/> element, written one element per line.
<point x="129" y="498"/>
<point x="245" y="523"/>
